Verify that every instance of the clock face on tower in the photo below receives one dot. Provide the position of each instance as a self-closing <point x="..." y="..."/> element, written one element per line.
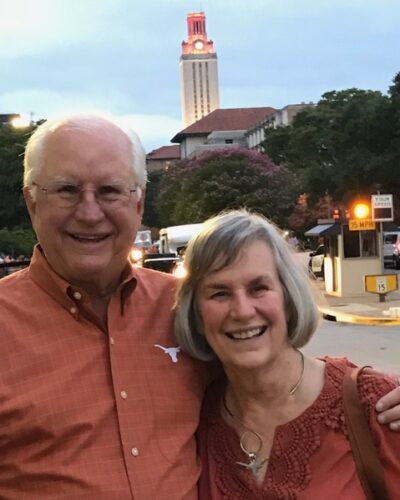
<point x="198" y="45"/>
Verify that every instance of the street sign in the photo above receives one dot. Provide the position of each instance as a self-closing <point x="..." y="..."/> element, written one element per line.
<point x="377" y="283"/>
<point x="382" y="207"/>
<point x="361" y="225"/>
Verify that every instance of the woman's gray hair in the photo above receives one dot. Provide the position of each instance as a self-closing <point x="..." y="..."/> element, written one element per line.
<point x="35" y="148"/>
<point x="218" y="245"/>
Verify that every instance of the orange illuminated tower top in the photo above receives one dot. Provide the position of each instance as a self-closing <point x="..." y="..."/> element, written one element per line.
<point x="198" y="71"/>
<point x="197" y="41"/>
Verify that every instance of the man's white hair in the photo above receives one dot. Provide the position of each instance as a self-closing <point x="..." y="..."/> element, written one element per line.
<point x="35" y="148"/>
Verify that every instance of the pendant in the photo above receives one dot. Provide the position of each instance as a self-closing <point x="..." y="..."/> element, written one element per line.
<point x="254" y="465"/>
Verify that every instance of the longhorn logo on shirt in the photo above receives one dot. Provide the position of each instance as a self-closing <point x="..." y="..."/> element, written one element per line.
<point x="171" y="351"/>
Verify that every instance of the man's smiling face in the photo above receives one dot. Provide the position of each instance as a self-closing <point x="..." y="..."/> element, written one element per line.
<point x="87" y="242"/>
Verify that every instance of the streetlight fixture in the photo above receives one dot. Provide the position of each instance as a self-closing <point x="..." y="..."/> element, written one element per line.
<point x="23" y="121"/>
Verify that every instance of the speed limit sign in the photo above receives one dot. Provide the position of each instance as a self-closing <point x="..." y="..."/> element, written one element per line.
<point x="381" y="284"/>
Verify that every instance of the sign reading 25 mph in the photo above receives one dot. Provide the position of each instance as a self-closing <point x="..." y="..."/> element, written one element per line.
<point x="361" y="225"/>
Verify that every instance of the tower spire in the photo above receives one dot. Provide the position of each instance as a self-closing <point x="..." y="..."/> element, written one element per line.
<point x="198" y="71"/>
<point x="197" y="41"/>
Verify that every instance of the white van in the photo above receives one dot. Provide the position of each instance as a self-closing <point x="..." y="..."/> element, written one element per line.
<point x="391" y="248"/>
<point x="173" y="242"/>
<point x="174" y="239"/>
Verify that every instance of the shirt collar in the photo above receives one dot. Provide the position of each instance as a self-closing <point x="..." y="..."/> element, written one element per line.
<point x="57" y="287"/>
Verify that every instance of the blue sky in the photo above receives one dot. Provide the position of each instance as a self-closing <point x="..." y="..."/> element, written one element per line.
<point x="121" y="56"/>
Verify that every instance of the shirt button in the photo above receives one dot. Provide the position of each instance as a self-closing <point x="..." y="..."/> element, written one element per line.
<point x="111" y="340"/>
<point x="135" y="452"/>
<point x="73" y="310"/>
<point x="123" y="394"/>
<point x="77" y="295"/>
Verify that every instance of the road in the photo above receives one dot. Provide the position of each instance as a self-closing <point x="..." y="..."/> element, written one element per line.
<point x="378" y="346"/>
<point x="391" y="270"/>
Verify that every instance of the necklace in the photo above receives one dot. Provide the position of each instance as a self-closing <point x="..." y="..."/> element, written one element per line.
<point x="294" y="389"/>
<point x="254" y="462"/>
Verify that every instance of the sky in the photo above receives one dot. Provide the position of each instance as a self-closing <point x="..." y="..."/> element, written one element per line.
<point x="122" y="56"/>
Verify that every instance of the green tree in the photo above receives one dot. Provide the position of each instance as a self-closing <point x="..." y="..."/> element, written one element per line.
<point x="150" y="215"/>
<point x="390" y="160"/>
<point x="16" y="235"/>
<point x="336" y="146"/>
<point x="17" y="242"/>
<point x="225" y="178"/>
<point x="13" y="212"/>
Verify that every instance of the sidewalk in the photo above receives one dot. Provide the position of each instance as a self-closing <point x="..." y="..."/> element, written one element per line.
<point x="362" y="309"/>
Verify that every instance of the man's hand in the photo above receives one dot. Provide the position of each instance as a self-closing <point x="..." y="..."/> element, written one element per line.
<point x="388" y="407"/>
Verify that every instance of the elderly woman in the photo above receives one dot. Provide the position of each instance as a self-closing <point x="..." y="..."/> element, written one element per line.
<point x="273" y="426"/>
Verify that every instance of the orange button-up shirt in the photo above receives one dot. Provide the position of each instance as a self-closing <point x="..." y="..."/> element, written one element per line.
<point x="88" y="413"/>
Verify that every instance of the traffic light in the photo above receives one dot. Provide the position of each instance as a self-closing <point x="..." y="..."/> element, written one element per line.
<point x="361" y="210"/>
<point x="340" y="214"/>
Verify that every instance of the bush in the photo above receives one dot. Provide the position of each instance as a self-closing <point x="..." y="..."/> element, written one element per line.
<point x="17" y="241"/>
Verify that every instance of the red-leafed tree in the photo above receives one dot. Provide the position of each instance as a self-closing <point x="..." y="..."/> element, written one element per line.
<point x="219" y="179"/>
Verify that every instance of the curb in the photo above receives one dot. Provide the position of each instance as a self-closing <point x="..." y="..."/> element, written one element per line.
<point x="335" y="315"/>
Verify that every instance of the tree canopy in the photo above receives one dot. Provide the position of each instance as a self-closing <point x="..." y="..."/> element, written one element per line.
<point x="13" y="212"/>
<point x="150" y="215"/>
<point x="16" y="234"/>
<point x="346" y="145"/>
<point x="219" y="179"/>
<point x="338" y="146"/>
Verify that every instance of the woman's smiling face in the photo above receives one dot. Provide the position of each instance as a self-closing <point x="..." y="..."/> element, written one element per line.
<point x="243" y="311"/>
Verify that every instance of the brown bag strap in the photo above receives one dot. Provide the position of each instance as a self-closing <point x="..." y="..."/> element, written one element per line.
<point x="369" y="468"/>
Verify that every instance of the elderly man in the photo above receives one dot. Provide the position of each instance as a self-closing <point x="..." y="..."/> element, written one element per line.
<point x="96" y="399"/>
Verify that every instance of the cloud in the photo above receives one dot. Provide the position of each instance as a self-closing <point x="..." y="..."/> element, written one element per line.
<point x="47" y="103"/>
<point x="155" y="130"/>
<point x="30" y="27"/>
<point x="121" y="56"/>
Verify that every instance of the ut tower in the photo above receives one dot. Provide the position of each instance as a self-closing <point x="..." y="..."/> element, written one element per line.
<point x="198" y="71"/>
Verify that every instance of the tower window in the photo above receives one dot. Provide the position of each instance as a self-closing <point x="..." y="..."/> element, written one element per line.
<point x="194" y="85"/>
<point x="207" y="87"/>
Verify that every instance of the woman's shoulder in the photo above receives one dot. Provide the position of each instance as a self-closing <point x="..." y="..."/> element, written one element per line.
<point x="372" y="385"/>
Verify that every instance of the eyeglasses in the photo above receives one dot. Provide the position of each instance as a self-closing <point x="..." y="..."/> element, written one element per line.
<point x="68" y="194"/>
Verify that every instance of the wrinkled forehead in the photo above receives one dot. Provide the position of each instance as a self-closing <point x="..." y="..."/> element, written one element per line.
<point x="74" y="136"/>
<point x="103" y="148"/>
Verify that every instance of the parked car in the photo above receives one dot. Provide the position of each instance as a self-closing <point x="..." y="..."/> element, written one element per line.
<point x="391" y="248"/>
<point x="11" y="266"/>
<point x="165" y="262"/>
<point x="316" y="262"/>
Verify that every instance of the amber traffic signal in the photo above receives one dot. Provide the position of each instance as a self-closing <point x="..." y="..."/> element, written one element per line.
<point x="361" y="210"/>
<point x="340" y="214"/>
